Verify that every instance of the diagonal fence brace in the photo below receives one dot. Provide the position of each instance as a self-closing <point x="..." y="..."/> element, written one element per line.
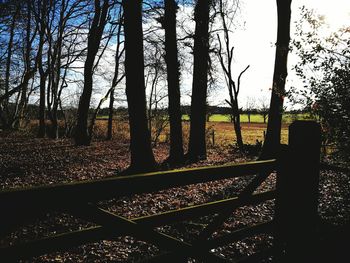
<point x="120" y="224"/>
<point x="243" y="196"/>
<point x="218" y="221"/>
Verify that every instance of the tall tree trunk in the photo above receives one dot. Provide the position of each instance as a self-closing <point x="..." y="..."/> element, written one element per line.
<point x="142" y="158"/>
<point x="237" y="125"/>
<point x="56" y="72"/>
<point x="43" y="74"/>
<point x="153" y="93"/>
<point x="176" y="155"/>
<point x="41" y="132"/>
<point x="20" y="123"/>
<point x="82" y="136"/>
<point x="54" y="123"/>
<point x="197" y="144"/>
<point x="273" y="134"/>
<point x="8" y="68"/>
<point x="118" y="54"/>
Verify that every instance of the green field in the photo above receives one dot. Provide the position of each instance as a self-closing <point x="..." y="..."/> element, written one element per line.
<point x="255" y="118"/>
<point x="219" y="125"/>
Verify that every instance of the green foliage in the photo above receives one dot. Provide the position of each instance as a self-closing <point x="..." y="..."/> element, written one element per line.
<point x="325" y="69"/>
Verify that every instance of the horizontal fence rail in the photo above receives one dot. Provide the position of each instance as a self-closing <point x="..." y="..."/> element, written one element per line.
<point x="57" y="196"/>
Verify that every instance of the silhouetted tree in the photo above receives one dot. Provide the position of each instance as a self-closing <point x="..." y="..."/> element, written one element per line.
<point x="64" y="46"/>
<point x="46" y="37"/>
<point x="116" y="78"/>
<point x="142" y="158"/>
<point x="171" y="58"/>
<point x="197" y="143"/>
<point x="250" y="107"/>
<point x="5" y="113"/>
<point x="273" y="134"/>
<point x="19" y="121"/>
<point x="263" y="108"/>
<point x="82" y="136"/>
<point x="40" y="18"/>
<point x="115" y="29"/>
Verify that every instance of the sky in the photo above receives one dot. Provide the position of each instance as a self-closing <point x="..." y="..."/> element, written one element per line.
<point x="254" y="43"/>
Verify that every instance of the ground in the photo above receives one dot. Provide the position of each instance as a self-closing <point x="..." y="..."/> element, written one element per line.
<point x="28" y="161"/>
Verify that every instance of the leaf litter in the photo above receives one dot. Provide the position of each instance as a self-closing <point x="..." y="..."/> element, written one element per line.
<point x="26" y="161"/>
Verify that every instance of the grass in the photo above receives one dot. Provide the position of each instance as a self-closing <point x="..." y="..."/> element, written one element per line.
<point x="255" y="118"/>
<point x="101" y="117"/>
<point x="219" y="123"/>
<point x="251" y="132"/>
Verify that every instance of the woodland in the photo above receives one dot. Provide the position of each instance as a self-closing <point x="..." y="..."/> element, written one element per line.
<point x="93" y="89"/>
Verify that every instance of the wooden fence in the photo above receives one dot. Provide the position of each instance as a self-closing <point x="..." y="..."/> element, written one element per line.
<point x="293" y="226"/>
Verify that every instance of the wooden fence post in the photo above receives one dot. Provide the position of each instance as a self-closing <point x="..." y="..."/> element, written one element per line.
<point x="297" y="184"/>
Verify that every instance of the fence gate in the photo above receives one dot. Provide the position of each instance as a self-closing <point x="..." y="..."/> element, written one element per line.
<point x="293" y="226"/>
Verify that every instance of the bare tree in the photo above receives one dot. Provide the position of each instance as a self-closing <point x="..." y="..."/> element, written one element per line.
<point x="116" y="79"/>
<point x="250" y="106"/>
<point x="5" y="112"/>
<point x="273" y="134"/>
<point x="40" y="17"/>
<point x="47" y="38"/>
<point x="155" y="69"/>
<point x="225" y="55"/>
<point x="64" y="35"/>
<point x="115" y="30"/>
<point x="29" y="66"/>
<point x="82" y="136"/>
<point x="264" y="108"/>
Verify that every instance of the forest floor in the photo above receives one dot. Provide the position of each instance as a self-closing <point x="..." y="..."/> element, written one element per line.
<point x="28" y="161"/>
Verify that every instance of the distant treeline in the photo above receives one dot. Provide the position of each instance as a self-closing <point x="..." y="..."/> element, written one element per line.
<point x="123" y="111"/>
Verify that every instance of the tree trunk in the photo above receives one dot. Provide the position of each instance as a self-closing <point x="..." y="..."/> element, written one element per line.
<point x="237" y="125"/>
<point x="41" y="132"/>
<point x="226" y="65"/>
<point x="43" y="74"/>
<point x="54" y="124"/>
<point x="5" y="113"/>
<point x="176" y="144"/>
<point x="110" y="115"/>
<point x="153" y="93"/>
<point x="273" y="134"/>
<point x="82" y="136"/>
<point x="197" y="144"/>
<point x="20" y="123"/>
<point x="116" y="78"/>
<point x="142" y="158"/>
